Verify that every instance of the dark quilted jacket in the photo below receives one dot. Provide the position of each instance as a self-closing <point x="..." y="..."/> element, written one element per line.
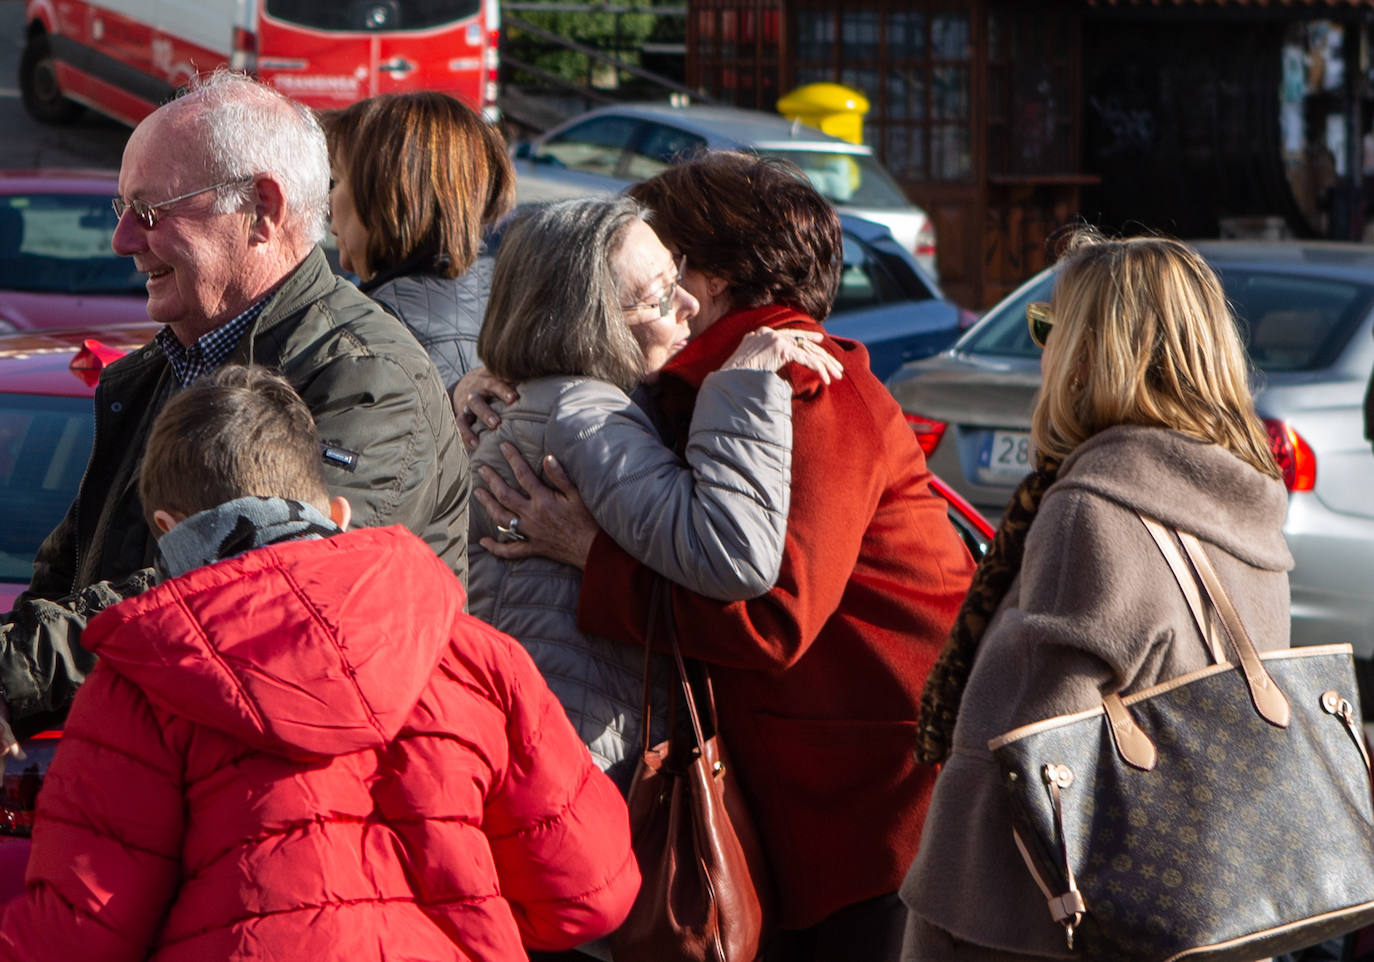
<point x="444" y="313"/>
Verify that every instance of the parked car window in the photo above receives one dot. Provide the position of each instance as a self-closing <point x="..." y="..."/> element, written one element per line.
<point x="1289" y="322"/>
<point x="1005" y="333"/>
<point x="60" y="243"/>
<point x="853" y="179"/>
<point x="44" y="445"/>
<point x="407" y="15"/>
<point x="594" y="147"/>
<point x="865" y="281"/>
<point x="1294" y="323"/>
<point x="659" y="148"/>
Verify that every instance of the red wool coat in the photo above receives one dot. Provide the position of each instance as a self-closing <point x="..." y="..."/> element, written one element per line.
<point x="818" y="682"/>
<point x="309" y="752"/>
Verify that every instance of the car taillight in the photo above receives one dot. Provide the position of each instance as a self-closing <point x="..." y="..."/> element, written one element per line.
<point x="22" y="780"/>
<point x="493" y="65"/>
<point x="1297" y="462"/>
<point x="243" y="54"/>
<point x="925" y="241"/>
<point x="927" y="431"/>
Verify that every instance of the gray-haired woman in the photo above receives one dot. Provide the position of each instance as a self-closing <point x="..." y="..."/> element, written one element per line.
<point x="585" y="306"/>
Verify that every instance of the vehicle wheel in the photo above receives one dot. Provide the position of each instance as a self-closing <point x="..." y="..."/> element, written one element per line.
<point x="38" y="84"/>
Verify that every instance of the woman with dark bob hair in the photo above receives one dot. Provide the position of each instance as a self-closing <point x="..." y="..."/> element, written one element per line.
<point x="1145" y="408"/>
<point x="817" y="681"/>
<point x="585" y="305"/>
<point x="417" y="178"/>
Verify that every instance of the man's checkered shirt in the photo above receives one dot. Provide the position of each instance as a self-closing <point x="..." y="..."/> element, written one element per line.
<point x="210" y="350"/>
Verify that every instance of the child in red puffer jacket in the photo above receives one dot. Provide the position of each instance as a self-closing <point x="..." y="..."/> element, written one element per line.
<point x="298" y="746"/>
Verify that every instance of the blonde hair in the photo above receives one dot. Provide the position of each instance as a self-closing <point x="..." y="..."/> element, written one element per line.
<point x="1143" y="335"/>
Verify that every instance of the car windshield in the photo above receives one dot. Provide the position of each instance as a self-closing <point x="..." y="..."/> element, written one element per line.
<point x="393" y="15"/>
<point x="44" y="445"/>
<point x="1289" y="322"/>
<point x="856" y="180"/>
<point x="60" y="244"/>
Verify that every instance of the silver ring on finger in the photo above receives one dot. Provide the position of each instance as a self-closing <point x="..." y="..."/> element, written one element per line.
<point x="509" y="530"/>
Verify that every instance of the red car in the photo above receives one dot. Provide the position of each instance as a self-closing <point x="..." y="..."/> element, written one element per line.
<point x="46" y="382"/>
<point x="57" y="269"/>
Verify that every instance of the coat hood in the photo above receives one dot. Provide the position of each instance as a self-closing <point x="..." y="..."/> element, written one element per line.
<point x="1168" y="476"/>
<point x="301" y="649"/>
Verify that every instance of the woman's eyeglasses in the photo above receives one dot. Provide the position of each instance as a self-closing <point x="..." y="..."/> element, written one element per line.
<point x="665" y="303"/>
<point x="148" y="214"/>
<point x="1039" y="320"/>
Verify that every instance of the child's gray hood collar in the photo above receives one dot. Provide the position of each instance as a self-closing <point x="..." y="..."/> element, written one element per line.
<point x="235" y="527"/>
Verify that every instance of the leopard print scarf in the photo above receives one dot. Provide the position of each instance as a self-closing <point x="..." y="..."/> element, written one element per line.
<point x="944" y="686"/>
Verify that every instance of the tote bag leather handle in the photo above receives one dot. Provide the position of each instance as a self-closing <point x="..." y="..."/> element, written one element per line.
<point x="1202" y="617"/>
<point x="1269" y="701"/>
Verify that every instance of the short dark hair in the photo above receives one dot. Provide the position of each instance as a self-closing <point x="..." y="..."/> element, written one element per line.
<point x="755" y="221"/>
<point x="427" y="174"/>
<point x="555" y="302"/>
<point x="238" y="431"/>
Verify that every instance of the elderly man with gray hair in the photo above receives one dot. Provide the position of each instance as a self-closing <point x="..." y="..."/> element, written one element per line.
<point x="222" y="200"/>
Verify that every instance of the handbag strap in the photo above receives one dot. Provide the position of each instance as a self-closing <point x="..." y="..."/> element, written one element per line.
<point x="1206" y="625"/>
<point x="1268" y="700"/>
<point x="661" y="616"/>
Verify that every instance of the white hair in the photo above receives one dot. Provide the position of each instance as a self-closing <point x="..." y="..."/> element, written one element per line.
<point x="246" y="129"/>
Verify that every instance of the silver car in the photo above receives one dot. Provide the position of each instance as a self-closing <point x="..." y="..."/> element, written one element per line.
<point x="1306" y="311"/>
<point x="607" y="149"/>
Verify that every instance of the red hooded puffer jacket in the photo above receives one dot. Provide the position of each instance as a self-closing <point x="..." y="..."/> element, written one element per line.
<point x="310" y="752"/>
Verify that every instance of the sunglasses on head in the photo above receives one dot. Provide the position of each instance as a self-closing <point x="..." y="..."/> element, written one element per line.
<point x="1039" y="320"/>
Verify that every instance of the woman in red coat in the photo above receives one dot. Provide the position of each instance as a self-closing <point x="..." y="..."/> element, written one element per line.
<point x="817" y="682"/>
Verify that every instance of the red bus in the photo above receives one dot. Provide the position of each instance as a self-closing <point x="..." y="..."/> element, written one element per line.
<point x="125" y="57"/>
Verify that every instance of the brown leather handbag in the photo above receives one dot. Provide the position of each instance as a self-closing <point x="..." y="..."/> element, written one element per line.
<point x="705" y="893"/>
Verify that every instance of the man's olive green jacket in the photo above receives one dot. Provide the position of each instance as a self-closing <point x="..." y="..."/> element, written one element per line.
<point x="390" y="447"/>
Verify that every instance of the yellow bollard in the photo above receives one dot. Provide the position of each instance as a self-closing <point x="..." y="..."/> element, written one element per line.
<point x="831" y="108"/>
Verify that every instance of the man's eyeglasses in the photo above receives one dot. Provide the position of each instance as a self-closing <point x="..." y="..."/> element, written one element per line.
<point x="148" y="214"/>
<point x="664" y="303"/>
<point x="1039" y="320"/>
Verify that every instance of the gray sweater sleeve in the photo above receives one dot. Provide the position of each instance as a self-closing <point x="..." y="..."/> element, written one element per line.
<point x="714" y="525"/>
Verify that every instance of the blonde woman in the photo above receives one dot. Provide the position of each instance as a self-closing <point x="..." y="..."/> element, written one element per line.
<point x="1144" y="407"/>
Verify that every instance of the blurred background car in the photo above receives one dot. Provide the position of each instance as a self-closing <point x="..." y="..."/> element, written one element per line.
<point x="47" y="379"/>
<point x="607" y="149"/>
<point x="46" y="383"/>
<point x="1306" y="313"/>
<point x="57" y="268"/>
<point x="889" y="302"/>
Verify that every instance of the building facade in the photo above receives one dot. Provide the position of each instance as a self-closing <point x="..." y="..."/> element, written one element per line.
<point x="1008" y="119"/>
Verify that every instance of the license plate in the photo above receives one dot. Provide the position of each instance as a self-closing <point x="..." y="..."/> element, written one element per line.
<point x="1004" y="457"/>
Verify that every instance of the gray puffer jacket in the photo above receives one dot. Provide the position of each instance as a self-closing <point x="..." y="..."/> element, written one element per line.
<point x="444" y="313"/>
<point x="716" y="525"/>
